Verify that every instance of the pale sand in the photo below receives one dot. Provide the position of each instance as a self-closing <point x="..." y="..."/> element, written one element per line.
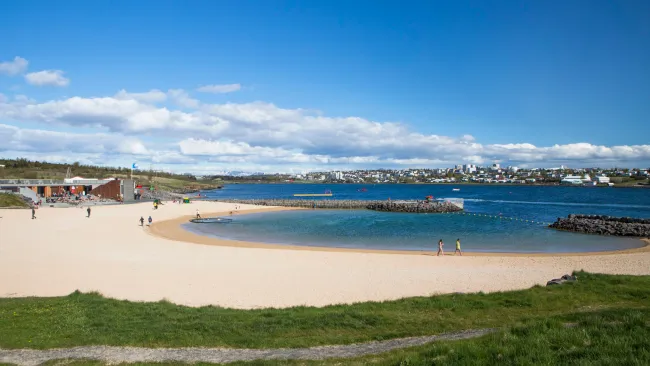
<point x="63" y="251"/>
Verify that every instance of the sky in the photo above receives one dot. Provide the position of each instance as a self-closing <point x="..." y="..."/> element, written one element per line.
<point x="296" y="86"/>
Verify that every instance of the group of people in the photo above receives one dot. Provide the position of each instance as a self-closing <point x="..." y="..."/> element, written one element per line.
<point x="150" y="220"/>
<point x="441" y="244"/>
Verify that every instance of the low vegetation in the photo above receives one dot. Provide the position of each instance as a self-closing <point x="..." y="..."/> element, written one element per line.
<point x="90" y="319"/>
<point x="10" y="200"/>
<point x="610" y="337"/>
<point x="26" y="169"/>
<point x="606" y="337"/>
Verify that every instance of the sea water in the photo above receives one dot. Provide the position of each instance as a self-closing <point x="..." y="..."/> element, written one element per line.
<point x="496" y="218"/>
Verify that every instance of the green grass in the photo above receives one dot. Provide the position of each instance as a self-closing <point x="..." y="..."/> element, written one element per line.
<point x="11" y="200"/>
<point x="618" y="337"/>
<point x="608" y="337"/>
<point x="89" y="319"/>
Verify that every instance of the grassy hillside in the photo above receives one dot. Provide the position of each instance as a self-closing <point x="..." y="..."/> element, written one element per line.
<point x="11" y="200"/>
<point x="25" y="169"/>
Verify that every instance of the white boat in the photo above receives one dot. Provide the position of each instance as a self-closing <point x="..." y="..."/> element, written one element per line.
<point x="456" y="189"/>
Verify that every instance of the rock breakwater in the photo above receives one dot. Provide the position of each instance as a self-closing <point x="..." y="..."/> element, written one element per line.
<point x="386" y="206"/>
<point x="604" y="225"/>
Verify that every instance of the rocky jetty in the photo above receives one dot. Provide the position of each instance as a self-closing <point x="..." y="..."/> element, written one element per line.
<point x="414" y="207"/>
<point x="386" y="206"/>
<point x="604" y="225"/>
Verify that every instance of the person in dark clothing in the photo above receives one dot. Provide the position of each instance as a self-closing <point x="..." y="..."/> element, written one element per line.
<point x="88" y="210"/>
<point x="33" y="213"/>
<point x="141" y="221"/>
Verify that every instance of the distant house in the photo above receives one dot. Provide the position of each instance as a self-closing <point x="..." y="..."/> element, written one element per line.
<point x="601" y="179"/>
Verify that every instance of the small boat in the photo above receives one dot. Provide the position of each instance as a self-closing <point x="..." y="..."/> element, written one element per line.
<point x="456" y="189"/>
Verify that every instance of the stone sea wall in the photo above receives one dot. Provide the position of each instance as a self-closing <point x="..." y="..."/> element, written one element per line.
<point x="386" y="206"/>
<point x="604" y="225"/>
<point x="414" y="207"/>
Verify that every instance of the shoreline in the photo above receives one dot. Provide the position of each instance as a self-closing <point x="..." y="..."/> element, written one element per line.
<point x="171" y="230"/>
<point x="63" y="251"/>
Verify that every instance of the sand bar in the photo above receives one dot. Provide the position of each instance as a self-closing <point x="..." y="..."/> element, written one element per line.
<point x="62" y="251"/>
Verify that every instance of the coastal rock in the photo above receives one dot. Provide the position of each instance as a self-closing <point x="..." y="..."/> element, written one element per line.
<point x="604" y="225"/>
<point x="414" y="207"/>
<point x="561" y="280"/>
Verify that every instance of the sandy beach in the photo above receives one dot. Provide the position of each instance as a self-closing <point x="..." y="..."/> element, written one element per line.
<point x="63" y="251"/>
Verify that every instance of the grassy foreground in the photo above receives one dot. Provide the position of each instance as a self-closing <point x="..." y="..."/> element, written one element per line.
<point x="608" y="337"/>
<point x="89" y="319"/>
<point x="11" y="200"/>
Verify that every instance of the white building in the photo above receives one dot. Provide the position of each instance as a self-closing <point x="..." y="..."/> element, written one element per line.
<point x="469" y="168"/>
<point x="572" y="179"/>
<point x="602" y="179"/>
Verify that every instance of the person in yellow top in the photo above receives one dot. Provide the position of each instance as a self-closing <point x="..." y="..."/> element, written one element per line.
<point x="458" y="248"/>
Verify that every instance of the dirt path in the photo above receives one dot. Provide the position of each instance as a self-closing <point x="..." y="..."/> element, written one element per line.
<point x="28" y="357"/>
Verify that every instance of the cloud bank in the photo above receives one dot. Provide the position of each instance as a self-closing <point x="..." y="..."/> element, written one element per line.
<point x="175" y="129"/>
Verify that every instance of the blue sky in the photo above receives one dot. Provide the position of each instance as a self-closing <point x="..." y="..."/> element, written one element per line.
<point x="325" y="81"/>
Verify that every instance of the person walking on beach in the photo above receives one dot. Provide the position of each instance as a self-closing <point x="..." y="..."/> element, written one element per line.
<point x="440" y="245"/>
<point x="141" y="221"/>
<point x="198" y="215"/>
<point x="150" y="220"/>
<point x="458" y="248"/>
<point x="88" y="210"/>
<point x="33" y="213"/>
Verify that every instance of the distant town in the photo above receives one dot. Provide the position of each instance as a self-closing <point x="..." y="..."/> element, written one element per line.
<point x="468" y="173"/>
<point x="460" y="174"/>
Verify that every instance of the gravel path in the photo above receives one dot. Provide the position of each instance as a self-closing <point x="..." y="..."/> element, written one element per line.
<point x="108" y="354"/>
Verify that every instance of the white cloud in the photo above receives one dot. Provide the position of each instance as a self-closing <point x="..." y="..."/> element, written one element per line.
<point x="182" y="99"/>
<point x="15" y="67"/>
<point x="47" y="77"/>
<point x="128" y="116"/>
<point x="152" y="96"/>
<point x="3" y="98"/>
<point x="43" y="141"/>
<point x="260" y="134"/>
<point x="219" y="89"/>
<point x="23" y="99"/>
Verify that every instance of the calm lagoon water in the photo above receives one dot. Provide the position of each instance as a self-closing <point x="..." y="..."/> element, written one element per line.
<point x="495" y="219"/>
